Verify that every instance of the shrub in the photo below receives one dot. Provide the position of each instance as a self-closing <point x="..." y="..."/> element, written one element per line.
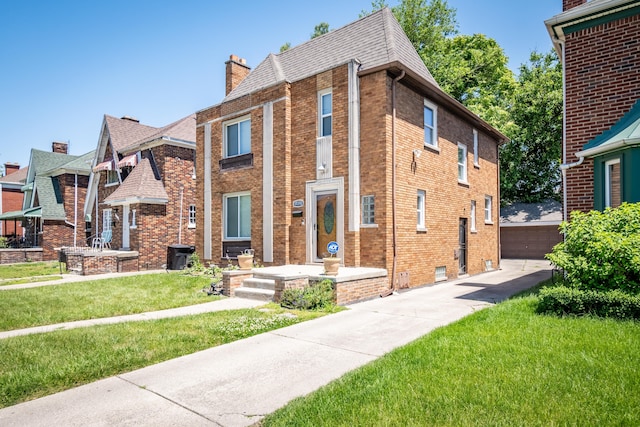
<point x="601" y="250"/>
<point x="4" y="242"/>
<point x="318" y="296"/>
<point x="562" y="301"/>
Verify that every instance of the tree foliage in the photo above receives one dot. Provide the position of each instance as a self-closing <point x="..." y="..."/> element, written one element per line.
<point x="320" y="29"/>
<point x="530" y="162"/>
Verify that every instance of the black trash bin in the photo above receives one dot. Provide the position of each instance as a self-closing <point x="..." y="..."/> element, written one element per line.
<point x="178" y="256"/>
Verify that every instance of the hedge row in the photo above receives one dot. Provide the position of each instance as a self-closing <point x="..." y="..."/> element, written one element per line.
<point x="562" y="301"/>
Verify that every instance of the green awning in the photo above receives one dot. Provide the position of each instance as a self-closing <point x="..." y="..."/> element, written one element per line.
<point x="27" y="213"/>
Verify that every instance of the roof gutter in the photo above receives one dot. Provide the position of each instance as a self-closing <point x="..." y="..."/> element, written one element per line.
<point x="590" y="152"/>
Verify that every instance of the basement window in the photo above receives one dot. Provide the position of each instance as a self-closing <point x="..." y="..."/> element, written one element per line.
<point x="441" y="273"/>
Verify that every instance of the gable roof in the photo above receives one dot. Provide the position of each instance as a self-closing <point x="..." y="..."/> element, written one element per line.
<point x="141" y="186"/>
<point x="50" y="198"/>
<point x="374" y="41"/>
<point x="127" y="135"/>
<point x="625" y="133"/>
<point x="17" y="177"/>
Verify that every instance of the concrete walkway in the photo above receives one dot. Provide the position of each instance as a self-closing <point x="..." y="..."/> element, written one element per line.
<point x="237" y="384"/>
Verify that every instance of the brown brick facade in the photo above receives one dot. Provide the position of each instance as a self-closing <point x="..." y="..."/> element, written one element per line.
<point x="156" y="225"/>
<point x="602" y="66"/>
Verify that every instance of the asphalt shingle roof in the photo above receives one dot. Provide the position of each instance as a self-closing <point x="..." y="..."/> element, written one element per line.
<point x="139" y="186"/>
<point x="126" y="134"/>
<point x="17" y="177"/>
<point x="375" y="40"/>
<point x="549" y="211"/>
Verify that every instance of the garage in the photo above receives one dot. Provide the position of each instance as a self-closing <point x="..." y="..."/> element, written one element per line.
<point x="529" y="230"/>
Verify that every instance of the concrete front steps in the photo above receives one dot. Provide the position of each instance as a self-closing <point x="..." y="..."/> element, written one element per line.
<point x="257" y="288"/>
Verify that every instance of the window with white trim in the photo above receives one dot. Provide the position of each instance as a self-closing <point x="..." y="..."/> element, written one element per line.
<point x="325" y="112"/>
<point x="462" y="163"/>
<point x="134" y="225"/>
<point x="192" y="216"/>
<point x="472" y="215"/>
<point x="612" y="187"/>
<point x="237" y="216"/>
<point x="430" y="124"/>
<point x="476" y="148"/>
<point x="237" y="137"/>
<point x="420" y="208"/>
<point x="368" y="210"/>
<point x="112" y="177"/>
<point x="106" y="219"/>
<point x="488" y="202"/>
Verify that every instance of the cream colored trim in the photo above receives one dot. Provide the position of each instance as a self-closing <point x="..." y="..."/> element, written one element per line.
<point x="239" y="113"/>
<point x="206" y="229"/>
<point x="267" y="182"/>
<point x="354" y="147"/>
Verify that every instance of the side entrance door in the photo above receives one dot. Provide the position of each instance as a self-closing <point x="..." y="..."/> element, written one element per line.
<point x="462" y="239"/>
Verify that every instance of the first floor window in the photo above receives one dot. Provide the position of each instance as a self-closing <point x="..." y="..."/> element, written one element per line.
<point x="368" y="210"/>
<point x="462" y="163"/>
<point x="237" y="216"/>
<point x="106" y="219"/>
<point x="488" y="201"/>
<point x="612" y="192"/>
<point x="237" y="137"/>
<point x="420" y="210"/>
<point x="473" y="215"/>
<point x="192" y="216"/>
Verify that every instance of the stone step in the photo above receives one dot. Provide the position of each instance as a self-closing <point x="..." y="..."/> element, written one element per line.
<point x="254" y="293"/>
<point x="258" y="283"/>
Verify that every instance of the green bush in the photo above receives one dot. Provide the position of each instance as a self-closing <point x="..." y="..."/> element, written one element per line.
<point x="601" y="250"/>
<point x="4" y="243"/>
<point x="562" y="301"/>
<point x="318" y="296"/>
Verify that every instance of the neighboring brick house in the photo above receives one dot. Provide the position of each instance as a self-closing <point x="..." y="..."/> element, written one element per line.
<point x="11" y="198"/>
<point x="143" y="187"/>
<point x="301" y="150"/>
<point x="54" y="192"/>
<point x="599" y="44"/>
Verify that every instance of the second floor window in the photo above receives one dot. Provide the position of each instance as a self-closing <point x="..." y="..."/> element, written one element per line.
<point x="325" y="108"/>
<point x="462" y="163"/>
<point x="430" y="124"/>
<point x="112" y="177"/>
<point x="237" y="137"/>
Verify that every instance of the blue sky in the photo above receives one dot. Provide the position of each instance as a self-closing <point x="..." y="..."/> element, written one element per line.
<point x="66" y="63"/>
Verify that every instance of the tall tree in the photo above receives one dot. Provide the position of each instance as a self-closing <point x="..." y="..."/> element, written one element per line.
<point x="529" y="164"/>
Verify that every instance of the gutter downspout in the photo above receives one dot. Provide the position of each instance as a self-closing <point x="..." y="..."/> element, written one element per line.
<point x="393" y="184"/>
<point x="564" y="166"/>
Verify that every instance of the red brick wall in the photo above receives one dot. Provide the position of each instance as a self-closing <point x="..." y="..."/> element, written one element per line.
<point x="570" y="4"/>
<point x="602" y="66"/>
<point x="11" y="201"/>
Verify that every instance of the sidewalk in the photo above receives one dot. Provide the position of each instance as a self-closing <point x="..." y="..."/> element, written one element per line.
<point x="237" y="384"/>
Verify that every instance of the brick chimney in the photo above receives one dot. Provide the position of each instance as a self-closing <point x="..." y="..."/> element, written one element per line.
<point x="237" y="70"/>
<point x="59" y="147"/>
<point x="570" y="4"/>
<point x="10" y="168"/>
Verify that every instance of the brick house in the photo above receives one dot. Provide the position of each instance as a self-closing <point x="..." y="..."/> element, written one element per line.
<point x="301" y="150"/>
<point x="11" y="198"/>
<point x="598" y="42"/>
<point x="143" y="187"/>
<point x="53" y="194"/>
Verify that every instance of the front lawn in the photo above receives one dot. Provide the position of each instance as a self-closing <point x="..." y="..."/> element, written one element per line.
<point x="23" y="308"/>
<point x="501" y="366"/>
<point x="20" y="273"/>
<point x="33" y="366"/>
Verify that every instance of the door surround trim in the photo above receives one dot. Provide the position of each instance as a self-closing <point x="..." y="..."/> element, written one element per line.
<point x="313" y="187"/>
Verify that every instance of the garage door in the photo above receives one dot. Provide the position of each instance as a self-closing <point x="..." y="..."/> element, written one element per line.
<point x="528" y="242"/>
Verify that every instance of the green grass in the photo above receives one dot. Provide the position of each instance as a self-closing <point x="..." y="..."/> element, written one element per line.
<point x="33" y="366"/>
<point x="32" y="279"/>
<point x="502" y="366"/>
<point x="22" y="308"/>
<point x="29" y="269"/>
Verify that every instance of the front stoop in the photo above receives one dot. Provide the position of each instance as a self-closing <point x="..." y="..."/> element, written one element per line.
<point x="256" y="288"/>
